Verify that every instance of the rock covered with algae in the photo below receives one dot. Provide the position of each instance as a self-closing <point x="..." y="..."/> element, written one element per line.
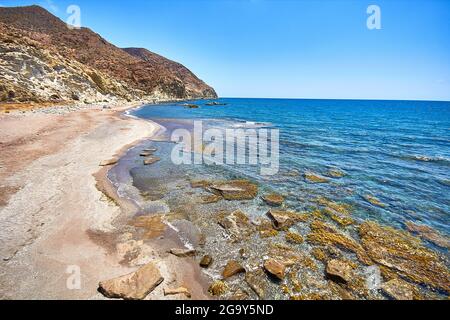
<point x="326" y="235"/>
<point x="405" y="254"/>
<point x="235" y="189"/>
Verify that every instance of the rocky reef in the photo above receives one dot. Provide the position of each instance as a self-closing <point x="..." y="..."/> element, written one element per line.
<point x="42" y="60"/>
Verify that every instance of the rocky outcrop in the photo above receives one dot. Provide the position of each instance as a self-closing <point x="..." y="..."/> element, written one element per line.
<point x="42" y="60"/>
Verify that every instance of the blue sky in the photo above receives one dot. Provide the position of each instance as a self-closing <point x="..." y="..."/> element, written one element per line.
<point x="286" y="49"/>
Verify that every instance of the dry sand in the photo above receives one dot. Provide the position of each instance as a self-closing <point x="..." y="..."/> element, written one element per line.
<point x="50" y="205"/>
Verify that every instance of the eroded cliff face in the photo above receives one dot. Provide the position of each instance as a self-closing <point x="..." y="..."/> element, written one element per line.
<point x="42" y="60"/>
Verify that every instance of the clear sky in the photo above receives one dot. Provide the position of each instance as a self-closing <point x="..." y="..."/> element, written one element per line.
<point x="286" y="49"/>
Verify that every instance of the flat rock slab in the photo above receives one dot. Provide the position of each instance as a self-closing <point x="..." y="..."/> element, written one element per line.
<point x="133" y="286"/>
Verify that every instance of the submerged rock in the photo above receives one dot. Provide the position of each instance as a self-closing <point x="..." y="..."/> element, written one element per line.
<point x="273" y="200"/>
<point x="218" y="288"/>
<point x="341" y="208"/>
<point x="200" y="184"/>
<point x="146" y="154"/>
<point x="284" y="254"/>
<point x="326" y="235"/>
<point x="211" y="199"/>
<point x="237" y="224"/>
<point x="294" y="238"/>
<point x="152" y="225"/>
<point x="342" y="220"/>
<point x="339" y="271"/>
<point x="336" y="173"/>
<point x="183" y="253"/>
<point x="206" y="261"/>
<point x="429" y="234"/>
<point x="405" y="254"/>
<point x="151" y="160"/>
<point x="285" y="219"/>
<point x="181" y="290"/>
<point x="266" y="229"/>
<point x="239" y="295"/>
<point x="399" y="290"/>
<point x="275" y="268"/>
<point x="232" y="268"/>
<point x="235" y="190"/>
<point x="256" y="280"/>
<point x="374" y="201"/>
<point x="134" y="286"/>
<point x="314" y="178"/>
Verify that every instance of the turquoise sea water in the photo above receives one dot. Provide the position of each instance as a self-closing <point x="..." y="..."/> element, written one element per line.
<point x="396" y="151"/>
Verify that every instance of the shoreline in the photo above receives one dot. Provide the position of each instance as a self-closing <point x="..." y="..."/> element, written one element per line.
<point x="55" y="199"/>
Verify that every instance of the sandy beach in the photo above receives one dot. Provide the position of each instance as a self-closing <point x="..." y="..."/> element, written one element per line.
<point x="51" y="209"/>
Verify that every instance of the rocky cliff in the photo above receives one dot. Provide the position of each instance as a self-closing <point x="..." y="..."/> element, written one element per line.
<point x="42" y="60"/>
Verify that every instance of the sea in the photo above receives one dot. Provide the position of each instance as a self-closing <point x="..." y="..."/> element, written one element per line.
<point x="382" y="161"/>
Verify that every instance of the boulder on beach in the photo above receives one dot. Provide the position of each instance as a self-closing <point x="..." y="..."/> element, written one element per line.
<point x="109" y="162"/>
<point x="134" y="286"/>
<point x="232" y="268"/>
<point x="235" y="190"/>
<point x="273" y="199"/>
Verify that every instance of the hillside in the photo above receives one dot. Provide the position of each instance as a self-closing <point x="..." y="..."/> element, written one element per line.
<point x="42" y="60"/>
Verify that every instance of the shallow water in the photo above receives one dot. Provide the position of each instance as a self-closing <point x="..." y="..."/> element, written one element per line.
<point x="396" y="151"/>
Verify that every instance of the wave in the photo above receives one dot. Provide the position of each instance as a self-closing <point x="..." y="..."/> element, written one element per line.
<point x="422" y="158"/>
